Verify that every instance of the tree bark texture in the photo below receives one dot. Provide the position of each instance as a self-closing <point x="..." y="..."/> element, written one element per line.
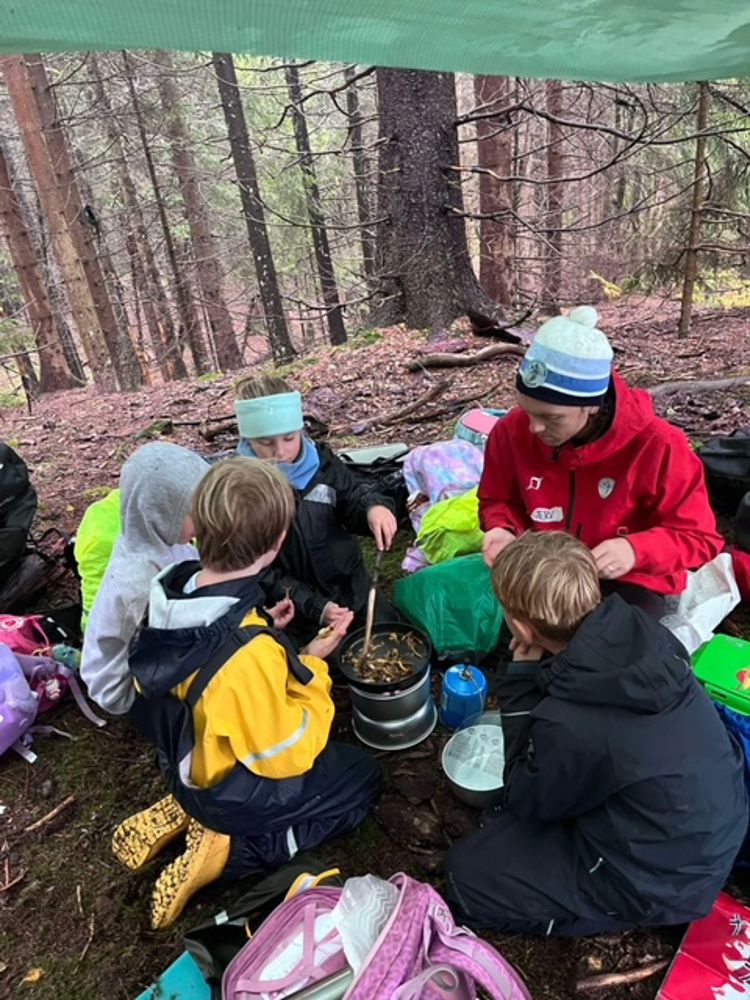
<point x="321" y="245"/>
<point x="119" y="345"/>
<point x="426" y="277"/>
<point x="153" y="298"/>
<point x="361" y="169"/>
<point x="208" y="269"/>
<point x="54" y="373"/>
<point x="555" y="197"/>
<point x="252" y="207"/>
<point x="495" y="161"/>
<point x="191" y="327"/>
<point x="696" y="210"/>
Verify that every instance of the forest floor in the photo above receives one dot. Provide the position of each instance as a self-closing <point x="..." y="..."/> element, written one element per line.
<point x="72" y="922"/>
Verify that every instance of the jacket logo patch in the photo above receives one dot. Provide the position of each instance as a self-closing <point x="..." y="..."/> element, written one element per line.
<point x="535" y="483"/>
<point x="322" y="493"/>
<point x="547" y="515"/>
<point x="606" y="486"/>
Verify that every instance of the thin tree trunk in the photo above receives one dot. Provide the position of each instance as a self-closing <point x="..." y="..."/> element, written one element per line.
<point x="555" y="196"/>
<point x="53" y="207"/>
<point x="423" y="257"/>
<point x="696" y="211"/>
<point x="495" y="160"/>
<point x="119" y="345"/>
<point x="206" y="252"/>
<point x="191" y="327"/>
<point x="155" y="304"/>
<point x="321" y="245"/>
<point x="54" y="373"/>
<point x="361" y="185"/>
<point x="252" y="207"/>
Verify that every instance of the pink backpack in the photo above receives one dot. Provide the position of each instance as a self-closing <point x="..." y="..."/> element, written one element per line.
<point x="24" y="634"/>
<point x="420" y="954"/>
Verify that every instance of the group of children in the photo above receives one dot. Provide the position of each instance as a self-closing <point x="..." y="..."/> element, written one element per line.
<point x="624" y="798"/>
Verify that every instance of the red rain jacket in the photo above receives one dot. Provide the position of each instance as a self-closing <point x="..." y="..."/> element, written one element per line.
<point x="640" y="480"/>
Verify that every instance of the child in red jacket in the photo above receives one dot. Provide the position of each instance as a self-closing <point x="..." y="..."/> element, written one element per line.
<point x="585" y="454"/>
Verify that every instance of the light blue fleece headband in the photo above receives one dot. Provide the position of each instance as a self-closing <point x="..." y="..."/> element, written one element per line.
<point x="268" y="416"/>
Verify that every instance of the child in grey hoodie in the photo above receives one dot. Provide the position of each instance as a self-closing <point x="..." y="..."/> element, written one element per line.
<point x="157" y="484"/>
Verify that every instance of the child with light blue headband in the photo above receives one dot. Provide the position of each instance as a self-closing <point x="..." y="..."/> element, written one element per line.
<point x="320" y="564"/>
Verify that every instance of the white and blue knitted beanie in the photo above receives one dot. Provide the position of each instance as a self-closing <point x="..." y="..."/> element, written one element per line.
<point x="569" y="361"/>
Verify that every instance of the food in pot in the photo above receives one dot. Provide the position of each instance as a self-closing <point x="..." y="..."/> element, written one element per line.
<point x="392" y="657"/>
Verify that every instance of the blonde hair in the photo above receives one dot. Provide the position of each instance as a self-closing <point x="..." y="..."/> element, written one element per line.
<point x="257" y="386"/>
<point x="549" y="579"/>
<point x="241" y="509"/>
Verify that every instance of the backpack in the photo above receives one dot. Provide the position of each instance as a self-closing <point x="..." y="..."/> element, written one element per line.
<point x="17" y="508"/>
<point x="24" y="634"/>
<point x="418" y="952"/>
<point x="381" y="468"/>
<point x="475" y="425"/>
<point x="727" y="464"/>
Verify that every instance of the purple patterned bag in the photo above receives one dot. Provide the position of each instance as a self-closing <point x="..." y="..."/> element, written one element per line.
<point x="420" y="954"/>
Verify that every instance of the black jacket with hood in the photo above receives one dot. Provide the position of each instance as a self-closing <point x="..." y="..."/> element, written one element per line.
<point x="321" y="559"/>
<point x="627" y="747"/>
<point x="17" y="509"/>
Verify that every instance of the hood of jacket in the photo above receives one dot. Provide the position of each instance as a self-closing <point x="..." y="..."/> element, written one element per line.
<point x="620" y="658"/>
<point x="186" y="631"/>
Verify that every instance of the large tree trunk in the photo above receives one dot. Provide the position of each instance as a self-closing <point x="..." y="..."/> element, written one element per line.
<point x="146" y="273"/>
<point x="495" y="161"/>
<point x="119" y="345"/>
<point x="54" y="373"/>
<point x="555" y="197"/>
<point x="53" y="207"/>
<point x="694" y="233"/>
<point x="361" y="169"/>
<point x="426" y="277"/>
<point x="208" y="268"/>
<point x="191" y="327"/>
<point x="252" y="207"/>
<point x="321" y="246"/>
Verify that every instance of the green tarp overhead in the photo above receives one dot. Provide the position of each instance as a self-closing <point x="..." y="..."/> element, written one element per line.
<point x="617" y="40"/>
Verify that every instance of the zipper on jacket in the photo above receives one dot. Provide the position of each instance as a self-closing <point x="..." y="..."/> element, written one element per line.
<point x="572" y="500"/>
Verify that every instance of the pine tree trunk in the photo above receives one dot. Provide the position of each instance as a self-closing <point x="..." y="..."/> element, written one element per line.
<point x="191" y="327"/>
<point x="206" y="251"/>
<point x="54" y="373"/>
<point x="426" y="277"/>
<point x="555" y="197"/>
<point x="119" y="345"/>
<point x="361" y="184"/>
<point x="321" y="245"/>
<point x="252" y="207"/>
<point x="495" y="160"/>
<point x="155" y="304"/>
<point x="53" y="206"/>
<point x="696" y="211"/>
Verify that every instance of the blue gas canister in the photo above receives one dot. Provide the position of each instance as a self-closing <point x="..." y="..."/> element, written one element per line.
<point x="463" y="695"/>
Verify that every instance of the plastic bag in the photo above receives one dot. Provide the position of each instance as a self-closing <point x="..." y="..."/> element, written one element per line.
<point x="710" y="595"/>
<point x="451" y="529"/>
<point x="455" y="605"/>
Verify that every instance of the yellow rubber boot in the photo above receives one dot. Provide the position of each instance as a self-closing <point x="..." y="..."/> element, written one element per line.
<point x="203" y="862"/>
<point x="140" y="837"/>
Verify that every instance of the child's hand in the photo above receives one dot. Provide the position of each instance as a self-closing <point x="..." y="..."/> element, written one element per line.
<point x="383" y="525"/>
<point x="281" y="613"/>
<point x="525" y="652"/>
<point x="333" y="613"/>
<point x="495" y="540"/>
<point x="323" y="646"/>
<point x="614" y="558"/>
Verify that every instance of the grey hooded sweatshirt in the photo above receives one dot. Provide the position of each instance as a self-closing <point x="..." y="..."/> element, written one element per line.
<point x="157" y="484"/>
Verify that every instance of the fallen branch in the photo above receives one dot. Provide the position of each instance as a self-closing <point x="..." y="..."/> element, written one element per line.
<point x="465" y="360"/>
<point x="396" y="415"/>
<point x="12" y="881"/>
<point x="621" y="978"/>
<point x="65" y="804"/>
<point x="454" y="404"/>
<point x="699" y="385"/>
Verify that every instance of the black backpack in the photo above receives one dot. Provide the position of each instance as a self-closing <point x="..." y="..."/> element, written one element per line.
<point x="727" y="464"/>
<point x="17" y="509"/>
